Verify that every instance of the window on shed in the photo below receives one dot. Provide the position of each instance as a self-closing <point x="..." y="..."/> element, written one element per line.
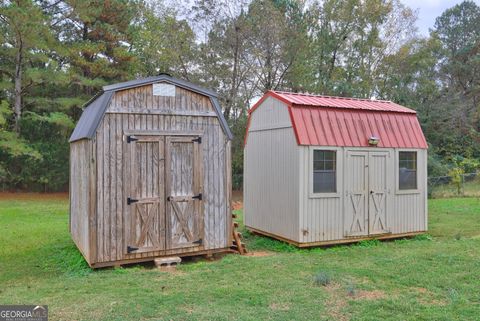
<point x="407" y="170"/>
<point x="324" y="171"/>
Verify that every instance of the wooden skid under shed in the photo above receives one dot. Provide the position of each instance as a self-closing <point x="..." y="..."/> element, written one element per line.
<point x="334" y="242"/>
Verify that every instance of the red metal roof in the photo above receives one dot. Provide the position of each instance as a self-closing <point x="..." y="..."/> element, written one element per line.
<point x="338" y="121"/>
<point x="330" y="101"/>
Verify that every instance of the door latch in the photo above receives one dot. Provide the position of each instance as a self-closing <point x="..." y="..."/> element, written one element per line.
<point x="198" y="197"/>
<point x="131" y="139"/>
<point x="131" y="200"/>
<point x="131" y="249"/>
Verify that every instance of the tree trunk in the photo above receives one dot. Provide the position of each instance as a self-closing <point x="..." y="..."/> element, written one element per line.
<point x="17" y="106"/>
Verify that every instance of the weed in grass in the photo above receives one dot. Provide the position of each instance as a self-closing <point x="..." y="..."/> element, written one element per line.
<point x="452" y="294"/>
<point x="351" y="289"/>
<point x="369" y="243"/>
<point x="458" y="236"/>
<point x="423" y="237"/>
<point x="322" y="278"/>
<point x="265" y="243"/>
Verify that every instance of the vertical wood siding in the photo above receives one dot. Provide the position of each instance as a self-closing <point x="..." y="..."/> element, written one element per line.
<point x="112" y="209"/>
<point x="82" y="173"/>
<point x="271" y="172"/>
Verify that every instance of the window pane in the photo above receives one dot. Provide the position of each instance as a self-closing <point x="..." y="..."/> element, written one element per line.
<point x="324" y="171"/>
<point x="324" y="182"/>
<point x="407" y="168"/>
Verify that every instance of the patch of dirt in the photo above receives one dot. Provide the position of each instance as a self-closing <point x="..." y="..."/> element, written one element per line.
<point x="237" y="205"/>
<point x="237" y="196"/>
<point x="336" y="302"/>
<point x="427" y="298"/>
<point x="369" y="295"/>
<point x="279" y="306"/>
<point x="259" y="253"/>
<point x="33" y="196"/>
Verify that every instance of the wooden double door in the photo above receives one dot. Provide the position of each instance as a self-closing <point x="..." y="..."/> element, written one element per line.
<point x="164" y="185"/>
<point x="368" y="177"/>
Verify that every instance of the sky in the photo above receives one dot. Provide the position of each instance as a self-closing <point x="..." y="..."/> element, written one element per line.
<point x="428" y="10"/>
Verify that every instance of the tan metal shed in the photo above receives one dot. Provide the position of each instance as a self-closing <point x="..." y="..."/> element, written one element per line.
<point x="150" y="173"/>
<point x="325" y="170"/>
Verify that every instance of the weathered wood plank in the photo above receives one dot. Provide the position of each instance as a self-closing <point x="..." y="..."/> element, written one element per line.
<point x="119" y="186"/>
<point x="194" y="117"/>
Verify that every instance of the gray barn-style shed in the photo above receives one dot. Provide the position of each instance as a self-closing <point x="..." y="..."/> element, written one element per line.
<point x="150" y="173"/>
<point x="325" y="170"/>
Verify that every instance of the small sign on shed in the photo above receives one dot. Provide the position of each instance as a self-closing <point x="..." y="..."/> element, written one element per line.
<point x="163" y="89"/>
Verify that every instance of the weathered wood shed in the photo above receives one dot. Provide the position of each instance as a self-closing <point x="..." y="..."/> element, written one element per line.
<point x="150" y="173"/>
<point x="324" y="170"/>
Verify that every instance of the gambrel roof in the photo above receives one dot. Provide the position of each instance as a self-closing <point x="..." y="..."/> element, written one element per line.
<point x="349" y="122"/>
<point x="96" y="107"/>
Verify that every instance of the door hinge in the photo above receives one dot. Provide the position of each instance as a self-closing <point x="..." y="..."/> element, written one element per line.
<point x="199" y="242"/>
<point x="131" y="249"/>
<point x="131" y="139"/>
<point x="197" y="140"/>
<point x="131" y="200"/>
<point x="198" y="197"/>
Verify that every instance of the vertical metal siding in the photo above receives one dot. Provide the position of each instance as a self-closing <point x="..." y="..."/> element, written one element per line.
<point x="320" y="218"/>
<point x="271" y="173"/>
<point x="277" y="174"/>
<point x="323" y="218"/>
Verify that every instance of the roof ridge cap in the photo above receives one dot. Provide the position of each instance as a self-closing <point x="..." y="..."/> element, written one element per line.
<point x="333" y="97"/>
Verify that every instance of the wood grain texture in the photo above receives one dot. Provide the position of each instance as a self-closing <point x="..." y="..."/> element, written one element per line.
<point x="114" y="183"/>
<point x="81" y="176"/>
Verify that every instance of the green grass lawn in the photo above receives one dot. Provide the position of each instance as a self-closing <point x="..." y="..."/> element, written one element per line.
<point x="435" y="277"/>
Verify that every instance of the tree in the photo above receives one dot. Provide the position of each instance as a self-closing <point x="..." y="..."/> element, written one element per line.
<point x="161" y="42"/>
<point x="96" y="38"/>
<point x="25" y="38"/>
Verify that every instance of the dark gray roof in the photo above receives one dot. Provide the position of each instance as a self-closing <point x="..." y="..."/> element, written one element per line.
<point x="91" y="116"/>
<point x="96" y="107"/>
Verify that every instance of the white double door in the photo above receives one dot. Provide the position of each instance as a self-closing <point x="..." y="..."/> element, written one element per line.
<point x="368" y="177"/>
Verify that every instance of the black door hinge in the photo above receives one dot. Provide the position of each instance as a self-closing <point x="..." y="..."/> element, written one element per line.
<point x="131" y="139"/>
<point x="131" y="200"/>
<point x="197" y="140"/>
<point x="198" y="197"/>
<point x="199" y="242"/>
<point x="131" y="249"/>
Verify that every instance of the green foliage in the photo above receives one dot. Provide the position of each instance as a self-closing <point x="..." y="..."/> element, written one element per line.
<point x="369" y="243"/>
<point x="457" y="178"/>
<point x="322" y="278"/>
<point x="60" y="53"/>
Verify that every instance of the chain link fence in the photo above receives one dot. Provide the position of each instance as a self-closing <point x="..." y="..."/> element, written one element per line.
<point x="438" y="187"/>
<point x="452" y="186"/>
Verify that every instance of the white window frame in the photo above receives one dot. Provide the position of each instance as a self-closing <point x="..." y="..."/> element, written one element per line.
<point x="338" y="172"/>
<point x="397" y="170"/>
